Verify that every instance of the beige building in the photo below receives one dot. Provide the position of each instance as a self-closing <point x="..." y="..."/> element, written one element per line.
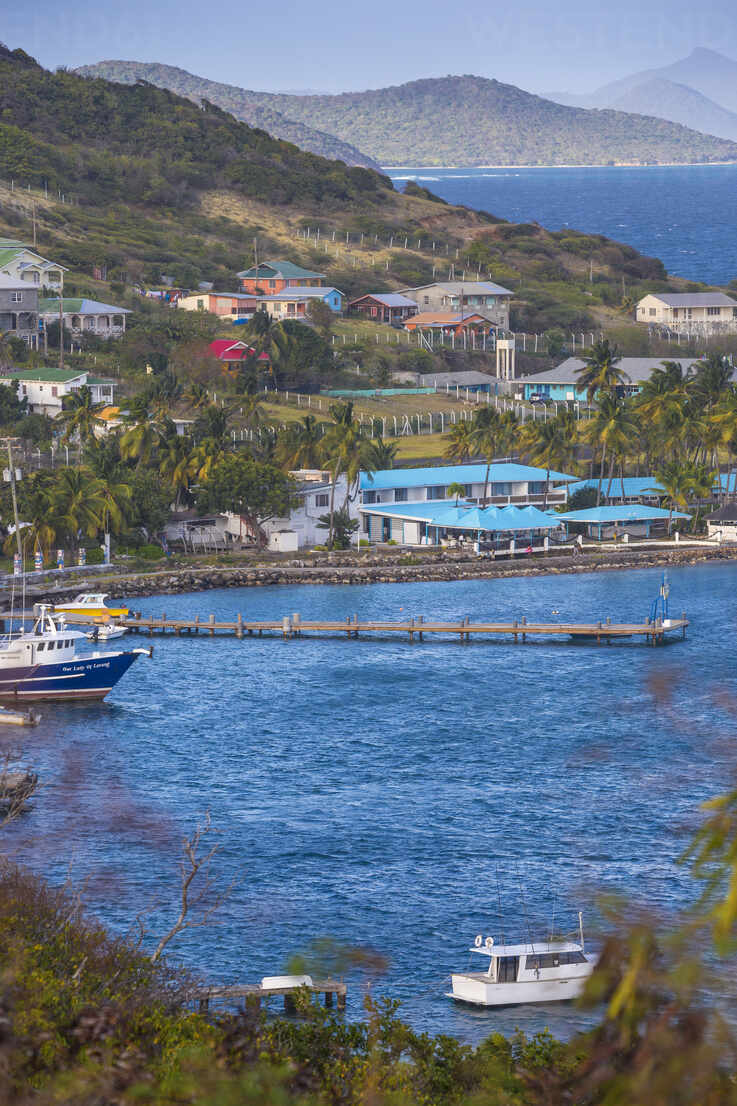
<point x="479" y="296"/>
<point x="703" y="310"/>
<point x="22" y="262"/>
<point x="228" y="305"/>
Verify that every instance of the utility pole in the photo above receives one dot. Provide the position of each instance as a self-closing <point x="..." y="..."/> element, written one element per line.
<point x="10" y="478"/>
<point x="61" y="329"/>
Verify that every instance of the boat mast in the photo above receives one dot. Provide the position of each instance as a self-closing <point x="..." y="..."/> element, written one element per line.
<point x="9" y="475"/>
<point x="580" y="930"/>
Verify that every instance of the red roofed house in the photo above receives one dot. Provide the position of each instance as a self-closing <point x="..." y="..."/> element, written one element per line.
<point x="230" y="352"/>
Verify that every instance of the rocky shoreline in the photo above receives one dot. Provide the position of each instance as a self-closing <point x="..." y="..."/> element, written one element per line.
<point x="352" y="568"/>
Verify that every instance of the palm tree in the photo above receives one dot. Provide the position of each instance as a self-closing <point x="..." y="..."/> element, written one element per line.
<point x="78" y="503"/>
<point x="300" y="446"/>
<point x="344" y="451"/>
<point x="455" y="489"/>
<point x="611" y="428"/>
<point x="676" y="478"/>
<point x="460" y="442"/>
<point x="711" y="381"/>
<point x="79" y="416"/>
<point x="599" y="372"/>
<point x="488" y="434"/>
<point x="196" y="395"/>
<point x="379" y="455"/>
<point x="176" y="466"/>
<point x="551" y="445"/>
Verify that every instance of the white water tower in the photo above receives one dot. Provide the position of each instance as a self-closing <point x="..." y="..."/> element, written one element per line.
<point x="505" y="359"/>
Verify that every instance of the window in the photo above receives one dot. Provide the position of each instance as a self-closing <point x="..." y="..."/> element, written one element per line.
<point x="400" y="495"/>
<point x="16" y="297"/>
<point x="369" y="497"/>
<point x="436" y="493"/>
<point x="40" y="647"/>
<point x="554" y="960"/>
<point x="322" y="500"/>
<point x="653" y="310"/>
<point x="54" y="390"/>
<point x="200" y="305"/>
<point x="68" y="642"/>
<point x="272" y="284"/>
<point x="713" y="311"/>
<point x="426" y="299"/>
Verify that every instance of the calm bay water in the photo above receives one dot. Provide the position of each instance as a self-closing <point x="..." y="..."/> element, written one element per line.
<point x="685" y="215"/>
<point x="371" y="790"/>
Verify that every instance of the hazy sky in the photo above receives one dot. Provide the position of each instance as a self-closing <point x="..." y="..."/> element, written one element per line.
<point x="540" y="45"/>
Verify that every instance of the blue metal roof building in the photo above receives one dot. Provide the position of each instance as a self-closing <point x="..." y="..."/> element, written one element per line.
<point x="632" y="518"/>
<point x="509" y="483"/>
<point x="432" y="523"/>
<point x="635" y="487"/>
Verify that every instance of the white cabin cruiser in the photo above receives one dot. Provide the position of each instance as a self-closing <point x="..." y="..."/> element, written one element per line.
<point x="543" y="971"/>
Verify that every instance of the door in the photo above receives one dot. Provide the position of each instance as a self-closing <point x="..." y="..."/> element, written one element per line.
<point x="506" y="970"/>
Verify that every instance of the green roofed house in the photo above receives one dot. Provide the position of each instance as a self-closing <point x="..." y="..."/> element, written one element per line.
<point x="45" y="389"/>
<point x="84" y="316"/>
<point x="22" y="262"/>
<point x="275" y="276"/>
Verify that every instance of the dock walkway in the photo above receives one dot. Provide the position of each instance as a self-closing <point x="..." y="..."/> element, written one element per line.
<point x="253" y="993"/>
<point x="654" y="632"/>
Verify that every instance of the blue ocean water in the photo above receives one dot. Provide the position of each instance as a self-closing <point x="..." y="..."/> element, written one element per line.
<point x="685" y="215"/>
<point x="371" y="790"/>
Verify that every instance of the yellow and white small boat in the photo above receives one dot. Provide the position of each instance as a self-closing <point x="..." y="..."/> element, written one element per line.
<point x="91" y="604"/>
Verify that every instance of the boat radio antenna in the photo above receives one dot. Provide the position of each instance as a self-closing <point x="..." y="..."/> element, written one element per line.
<point x="552" y="919"/>
<point x="524" y="904"/>
<point x="499" y="898"/>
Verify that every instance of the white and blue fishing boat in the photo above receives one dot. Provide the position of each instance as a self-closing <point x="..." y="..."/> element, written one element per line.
<point x="45" y="663"/>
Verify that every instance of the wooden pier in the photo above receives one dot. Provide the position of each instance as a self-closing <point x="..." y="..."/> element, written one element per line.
<point x="653" y="632"/>
<point x="253" y="993"/>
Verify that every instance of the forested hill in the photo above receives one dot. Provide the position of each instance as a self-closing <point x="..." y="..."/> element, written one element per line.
<point x="474" y="121"/>
<point x="104" y="142"/>
<point x="244" y="105"/>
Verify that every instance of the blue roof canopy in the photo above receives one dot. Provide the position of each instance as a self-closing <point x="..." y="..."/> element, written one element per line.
<point x="505" y="472"/>
<point x="465" y="517"/>
<point x="625" y="512"/>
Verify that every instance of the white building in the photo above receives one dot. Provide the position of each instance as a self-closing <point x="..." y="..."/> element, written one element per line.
<point x="45" y="389"/>
<point x="21" y="261"/>
<point x="85" y="316"/>
<point x="722" y="525"/>
<point x="703" y="311"/>
<point x="303" y="522"/>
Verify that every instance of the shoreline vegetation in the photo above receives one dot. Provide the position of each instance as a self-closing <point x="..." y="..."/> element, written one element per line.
<point x="350" y="568"/>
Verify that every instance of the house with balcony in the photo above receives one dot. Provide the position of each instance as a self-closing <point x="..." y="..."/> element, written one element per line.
<point x="482" y="297"/>
<point x="23" y="262"/>
<point x="699" y="310"/>
<point x="509" y="484"/>
<point x="84" y="316"/>
<point x="383" y="307"/>
<point x="292" y="303"/>
<point x="19" y="309"/>
<point x="275" y="276"/>
<point x="45" y="389"/>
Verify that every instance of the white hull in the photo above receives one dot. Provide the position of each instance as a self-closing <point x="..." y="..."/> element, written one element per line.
<point x="484" y="992"/>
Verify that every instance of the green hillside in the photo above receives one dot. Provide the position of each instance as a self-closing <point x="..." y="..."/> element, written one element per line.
<point x="154" y="186"/>
<point x="103" y="142"/>
<point x="244" y="105"/>
<point x="472" y="121"/>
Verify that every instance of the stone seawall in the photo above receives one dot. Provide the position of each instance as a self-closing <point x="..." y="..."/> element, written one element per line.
<point x="368" y="569"/>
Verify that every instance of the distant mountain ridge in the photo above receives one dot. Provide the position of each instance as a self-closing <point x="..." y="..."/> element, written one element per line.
<point x="239" y="102"/>
<point x="460" y="121"/>
<point x="699" y="91"/>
